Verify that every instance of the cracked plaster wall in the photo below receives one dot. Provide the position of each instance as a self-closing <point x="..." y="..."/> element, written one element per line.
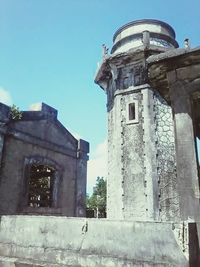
<point x="141" y="155"/>
<point x="39" y="138"/>
<point x="60" y="241"/>
<point x="114" y="181"/>
<point x="132" y="151"/>
<point x="166" y="162"/>
<point x="14" y="183"/>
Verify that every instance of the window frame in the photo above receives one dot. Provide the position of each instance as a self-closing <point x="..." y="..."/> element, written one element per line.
<point x="136" y="119"/>
<point x="58" y="179"/>
<point x="36" y="191"/>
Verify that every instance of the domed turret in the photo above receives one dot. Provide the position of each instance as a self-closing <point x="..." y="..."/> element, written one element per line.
<point x="141" y="150"/>
<point x="140" y="32"/>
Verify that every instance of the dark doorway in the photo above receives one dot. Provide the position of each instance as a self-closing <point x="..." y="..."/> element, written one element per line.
<point x="40" y="192"/>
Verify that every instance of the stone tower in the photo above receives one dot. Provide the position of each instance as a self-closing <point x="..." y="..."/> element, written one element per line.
<point x="141" y="151"/>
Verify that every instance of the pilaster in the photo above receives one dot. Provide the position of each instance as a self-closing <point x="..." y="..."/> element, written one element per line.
<point x="149" y="137"/>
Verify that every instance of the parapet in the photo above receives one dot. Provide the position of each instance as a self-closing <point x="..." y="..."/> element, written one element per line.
<point x="40" y="110"/>
<point x="61" y="241"/>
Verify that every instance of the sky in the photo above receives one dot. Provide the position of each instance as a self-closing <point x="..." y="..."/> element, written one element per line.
<point x="49" y="50"/>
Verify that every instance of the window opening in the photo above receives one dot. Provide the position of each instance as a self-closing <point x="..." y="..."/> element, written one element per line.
<point x="40" y="186"/>
<point x="131" y="111"/>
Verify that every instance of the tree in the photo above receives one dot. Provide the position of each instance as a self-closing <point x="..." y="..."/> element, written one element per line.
<point x="15" y="113"/>
<point x="97" y="201"/>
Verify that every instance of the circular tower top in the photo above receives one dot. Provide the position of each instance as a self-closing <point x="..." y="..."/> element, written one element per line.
<point x="131" y="35"/>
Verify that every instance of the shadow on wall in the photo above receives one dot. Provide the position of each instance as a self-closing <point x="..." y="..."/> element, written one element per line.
<point x="198" y="149"/>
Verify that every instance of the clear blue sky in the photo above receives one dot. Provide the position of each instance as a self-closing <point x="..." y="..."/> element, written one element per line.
<point x="49" y="50"/>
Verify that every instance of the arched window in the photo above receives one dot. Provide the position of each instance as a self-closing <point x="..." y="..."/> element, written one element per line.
<point x="40" y="187"/>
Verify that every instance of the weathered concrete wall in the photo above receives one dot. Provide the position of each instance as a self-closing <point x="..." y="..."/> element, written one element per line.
<point x="132" y="157"/>
<point x="14" y="187"/>
<point x="186" y="157"/>
<point x="38" y="138"/>
<point x="126" y="192"/>
<point x="169" y="203"/>
<point x="176" y="75"/>
<point x="47" y="131"/>
<point x="60" y="241"/>
<point x="114" y="181"/>
<point x="149" y="154"/>
<point x="141" y="153"/>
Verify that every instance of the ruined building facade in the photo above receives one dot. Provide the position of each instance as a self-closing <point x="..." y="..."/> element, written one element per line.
<point x="153" y="104"/>
<point x="43" y="167"/>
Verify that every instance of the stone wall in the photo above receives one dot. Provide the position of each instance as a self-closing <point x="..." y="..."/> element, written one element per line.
<point x="39" y="139"/>
<point x="132" y="157"/>
<point x="114" y="181"/>
<point x="166" y="162"/>
<point x="142" y="183"/>
<point x="14" y="185"/>
<point x="60" y="241"/>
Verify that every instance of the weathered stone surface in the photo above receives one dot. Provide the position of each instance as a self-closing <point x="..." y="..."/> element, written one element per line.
<point x="168" y="197"/>
<point x="186" y="62"/>
<point x="152" y="169"/>
<point x="176" y="75"/>
<point x="39" y="138"/>
<point x="141" y="153"/>
<point x="61" y="241"/>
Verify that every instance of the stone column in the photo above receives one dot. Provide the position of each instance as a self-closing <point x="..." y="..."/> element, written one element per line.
<point x="82" y="158"/>
<point x="187" y="176"/>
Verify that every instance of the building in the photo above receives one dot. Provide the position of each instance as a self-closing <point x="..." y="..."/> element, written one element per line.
<point x="153" y="90"/>
<point x="141" y="148"/>
<point x="43" y="167"/>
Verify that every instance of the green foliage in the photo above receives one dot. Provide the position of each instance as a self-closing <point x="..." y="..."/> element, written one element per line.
<point x="15" y="113"/>
<point x="98" y="198"/>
